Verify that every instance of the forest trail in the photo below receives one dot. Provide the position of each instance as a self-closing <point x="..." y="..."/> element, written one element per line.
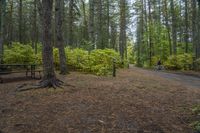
<point x="186" y="80"/>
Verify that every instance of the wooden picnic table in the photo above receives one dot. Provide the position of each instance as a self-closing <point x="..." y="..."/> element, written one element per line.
<point x="19" y="68"/>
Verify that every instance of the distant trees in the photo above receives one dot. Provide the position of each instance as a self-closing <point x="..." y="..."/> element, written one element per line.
<point x="166" y="28"/>
<point x="85" y="24"/>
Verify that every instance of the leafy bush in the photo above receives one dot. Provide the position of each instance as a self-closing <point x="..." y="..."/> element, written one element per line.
<point x="99" y="62"/>
<point x="131" y="58"/>
<point x="19" y="53"/>
<point x="197" y="64"/>
<point x="196" y="126"/>
<point x="196" y="110"/>
<point x="77" y="58"/>
<point x="182" y="61"/>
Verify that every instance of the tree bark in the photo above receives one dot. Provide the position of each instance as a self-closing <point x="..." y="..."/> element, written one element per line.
<point x="91" y="23"/>
<point x="122" y="37"/>
<point x="186" y="37"/>
<point x="71" y="23"/>
<point x="174" y="34"/>
<point x="2" y="26"/>
<point x="100" y="44"/>
<point x="49" y="76"/>
<point x="59" y="35"/>
<point x="20" y="21"/>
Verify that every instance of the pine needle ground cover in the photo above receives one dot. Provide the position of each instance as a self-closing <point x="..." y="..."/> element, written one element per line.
<point x="135" y="101"/>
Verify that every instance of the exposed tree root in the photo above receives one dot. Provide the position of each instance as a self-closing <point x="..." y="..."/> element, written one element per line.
<point x="46" y="83"/>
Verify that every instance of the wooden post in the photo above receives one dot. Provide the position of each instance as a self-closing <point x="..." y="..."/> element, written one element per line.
<point x="193" y="63"/>
<point x="114" y="68"/>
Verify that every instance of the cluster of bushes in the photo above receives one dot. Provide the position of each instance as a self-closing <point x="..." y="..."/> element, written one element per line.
<point x="196" y="124"/>
<point x="20" y="54"/>
<point x="99" y="62"/>
<point x="176" y="62"/>
<point x="182" y="61"/>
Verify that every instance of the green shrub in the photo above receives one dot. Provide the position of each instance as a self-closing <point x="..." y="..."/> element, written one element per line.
<point x="19" y="53"/>
<point x="131" y="58"/>
<point x="196" y="126"/>
<point x="196" y="110"/>
<point x="182" y="61"/>
<point x="77" y="58"/>
<point x="99" y="62"/>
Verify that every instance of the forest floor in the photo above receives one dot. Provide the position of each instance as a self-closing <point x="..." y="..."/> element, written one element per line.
<point x="136" y="101"/>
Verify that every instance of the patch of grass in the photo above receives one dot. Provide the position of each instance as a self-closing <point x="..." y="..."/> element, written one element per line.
<point x="196" y="110"/>
<point x="196" y="126"/>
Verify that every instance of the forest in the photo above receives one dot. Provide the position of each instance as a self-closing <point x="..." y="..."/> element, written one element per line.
<point x="102" y="66"/>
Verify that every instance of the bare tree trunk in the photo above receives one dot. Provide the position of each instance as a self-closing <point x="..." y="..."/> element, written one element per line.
<point x="194" y="27"/>
<point x="49" y="78"/>
<point x="166" y="16"/>
<point x="100" y="44"/>
<point x="59" y="35"/>
<point x="122" y="37"/>
<point x="198" y="30"/>
<point x="186" y="27"/>
<point x="35" y="28"/>
<point x="113" y="35"/>
<point x="71" y="25"/>
<point x="85" y="25"/>
<point x="150" y="34"/>
<point x="2" y="25"/>
<point x="91" y="22"/>
<point x="20" y="21"/>
<point x="174" y="34"/>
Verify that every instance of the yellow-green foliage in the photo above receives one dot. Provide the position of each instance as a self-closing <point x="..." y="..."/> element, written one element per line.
<point x="77" y="58"/>
<point x="19" y="53"/>
<point x="182" y="61"/>
<point x="99" y="62"/>
<point x="130" y="52"/>
<point x="155" y="60"/>
<point x="196" y="124"/>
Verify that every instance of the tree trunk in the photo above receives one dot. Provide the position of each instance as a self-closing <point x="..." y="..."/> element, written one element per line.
<point x="59" y="35"/>
<point x="45" y="11"/>
<point x="35" y="28"/>
<point x="20" y="21"/>
<point x="198" y="30"/>
<point x="2" y="26"/>
<point x="166" y="16"/>
<point x="150" y="34"/>
<point x="186" y="27"/>
<point x="85" y="25"/>
<point x="100" y="44"/>
<point x="174" y="34"/>
<point x="91" y="22"/>
<point x="122" y="37"/>
<point x="194" y="27"/>
<point x="71" y="23"/>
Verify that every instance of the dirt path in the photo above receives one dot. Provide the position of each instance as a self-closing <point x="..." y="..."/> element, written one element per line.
<point x="189" y="81"/>
<point x="136" y="101"/>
